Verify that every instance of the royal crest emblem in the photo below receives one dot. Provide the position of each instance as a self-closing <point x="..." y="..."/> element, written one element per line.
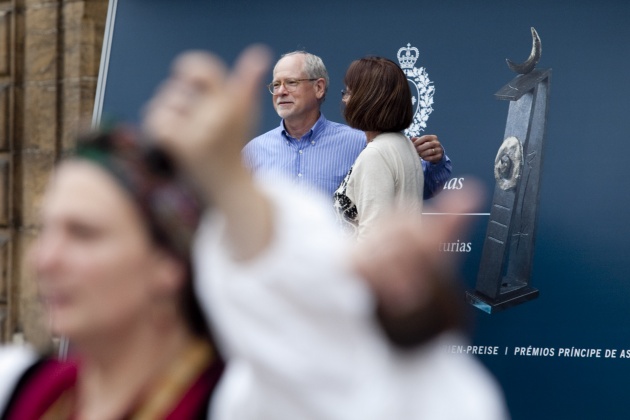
<point x="422" y="89"/>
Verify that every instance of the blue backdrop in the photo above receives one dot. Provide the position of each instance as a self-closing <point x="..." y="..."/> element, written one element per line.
<point x="580" y="264"/>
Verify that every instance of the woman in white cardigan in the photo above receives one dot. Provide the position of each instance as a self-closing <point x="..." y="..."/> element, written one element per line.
<point x="387" y="173"/>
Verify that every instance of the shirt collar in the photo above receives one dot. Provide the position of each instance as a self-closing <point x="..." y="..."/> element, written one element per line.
<point x="310" y="135"/>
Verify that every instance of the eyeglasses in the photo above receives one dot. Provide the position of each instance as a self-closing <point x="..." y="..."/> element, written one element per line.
<point x="290" y="85"/>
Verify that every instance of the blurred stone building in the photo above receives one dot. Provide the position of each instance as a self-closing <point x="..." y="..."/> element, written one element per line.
<point x="49" y="61"/>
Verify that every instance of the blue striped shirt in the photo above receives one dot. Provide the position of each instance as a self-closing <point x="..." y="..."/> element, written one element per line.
<point x="322" y="157"/>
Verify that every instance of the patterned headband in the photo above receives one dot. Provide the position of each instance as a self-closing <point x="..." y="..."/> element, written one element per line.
<point x="168" y="203"/>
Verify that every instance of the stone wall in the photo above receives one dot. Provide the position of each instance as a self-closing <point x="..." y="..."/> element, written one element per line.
<point x="49" y="61"/>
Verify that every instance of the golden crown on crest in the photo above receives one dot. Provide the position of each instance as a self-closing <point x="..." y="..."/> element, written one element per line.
<point x="408" y="56"/>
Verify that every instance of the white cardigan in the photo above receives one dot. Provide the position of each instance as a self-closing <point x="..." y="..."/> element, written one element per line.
<point x="387" y="173"/>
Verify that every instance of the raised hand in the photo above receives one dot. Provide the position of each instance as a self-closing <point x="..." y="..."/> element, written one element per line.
<point x="203" y="113"/>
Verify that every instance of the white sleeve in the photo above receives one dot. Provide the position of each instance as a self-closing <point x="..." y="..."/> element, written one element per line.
<point x="14" y="361"/>
<point x="297" y="328"/>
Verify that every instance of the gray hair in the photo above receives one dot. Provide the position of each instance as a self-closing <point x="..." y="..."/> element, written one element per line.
<point x="313" y="67"/>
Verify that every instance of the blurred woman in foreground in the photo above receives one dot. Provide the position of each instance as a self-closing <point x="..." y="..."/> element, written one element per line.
<point x="113" y="272"/>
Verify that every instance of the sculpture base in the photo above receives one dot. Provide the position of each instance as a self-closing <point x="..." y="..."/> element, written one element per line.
<point x="489" y="305"/>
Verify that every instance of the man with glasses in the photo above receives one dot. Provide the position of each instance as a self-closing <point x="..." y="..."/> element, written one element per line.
<point x="313" y="151"/>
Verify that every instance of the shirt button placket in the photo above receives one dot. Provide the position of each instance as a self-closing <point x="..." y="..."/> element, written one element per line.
<point x="300" y="152"/>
